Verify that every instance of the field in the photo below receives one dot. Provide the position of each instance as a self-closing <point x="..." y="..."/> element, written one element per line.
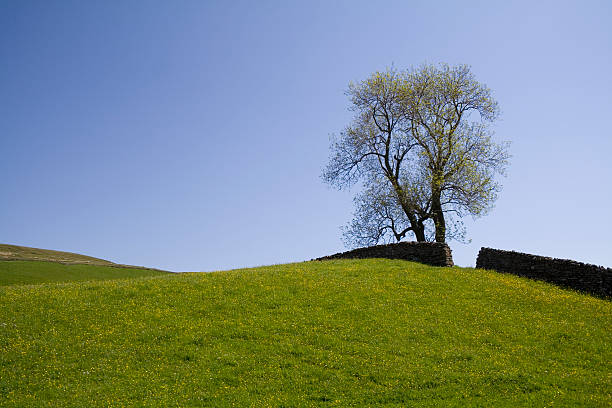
<point x="334" y="333"/>
<point x="35" y="272"/>
<point x="21" y="265"/>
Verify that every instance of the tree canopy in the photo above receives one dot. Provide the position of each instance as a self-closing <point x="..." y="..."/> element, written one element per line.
<point x="420" y="144"/>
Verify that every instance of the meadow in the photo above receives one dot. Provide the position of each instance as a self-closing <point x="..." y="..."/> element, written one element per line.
<point x="36" y="272"/>
<point x="334" y="333"/>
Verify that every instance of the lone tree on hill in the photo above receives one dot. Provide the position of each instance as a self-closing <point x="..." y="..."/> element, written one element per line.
<point x="421" y="146"/>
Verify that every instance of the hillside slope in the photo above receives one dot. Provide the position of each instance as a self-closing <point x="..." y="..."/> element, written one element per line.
<point x="21" y="253"/>
<point x="334" y="333"/>
<point x="27" y="266"/>
<point x="37" y="272"/>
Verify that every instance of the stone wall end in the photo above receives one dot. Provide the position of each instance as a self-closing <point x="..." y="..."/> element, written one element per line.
<point x="430" y="253"/>
<point x="593" y="279"/>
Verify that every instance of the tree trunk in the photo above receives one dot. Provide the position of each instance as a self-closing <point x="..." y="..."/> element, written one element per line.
<point x="417" y="226"/>
<point x="438" y="217"/>
<point x="419" y="232"/>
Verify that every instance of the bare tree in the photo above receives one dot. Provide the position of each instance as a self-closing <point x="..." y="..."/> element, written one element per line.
<point x="418" y="151"/>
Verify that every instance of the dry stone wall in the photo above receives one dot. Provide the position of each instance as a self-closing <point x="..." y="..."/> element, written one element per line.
<point x="588" y="278"/>
<point x="430" y="253"/>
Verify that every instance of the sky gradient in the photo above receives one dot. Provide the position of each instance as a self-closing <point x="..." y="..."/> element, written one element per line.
<point x="191" y="136"/>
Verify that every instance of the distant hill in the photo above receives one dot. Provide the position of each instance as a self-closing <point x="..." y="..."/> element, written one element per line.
<point x="21" y="253"/>
<point x="36" y="272"/>
<point x="21" y="265"/>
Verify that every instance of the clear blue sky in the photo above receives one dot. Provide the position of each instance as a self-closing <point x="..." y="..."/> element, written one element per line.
<point x="190" y="135"/>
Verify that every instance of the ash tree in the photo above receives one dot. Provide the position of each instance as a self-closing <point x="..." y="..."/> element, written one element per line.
<point x="420" y="146"/>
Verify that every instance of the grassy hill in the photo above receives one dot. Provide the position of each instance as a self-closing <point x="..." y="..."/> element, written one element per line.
<point x="21" y="253"/>
<point x="335" y="333"/>
<point x="27" y="266"/>
<point x="35" y="272"/>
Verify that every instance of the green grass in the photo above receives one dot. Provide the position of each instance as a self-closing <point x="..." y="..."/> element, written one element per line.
<point x="35" y="272"/>
<point x="334" y="333"/>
